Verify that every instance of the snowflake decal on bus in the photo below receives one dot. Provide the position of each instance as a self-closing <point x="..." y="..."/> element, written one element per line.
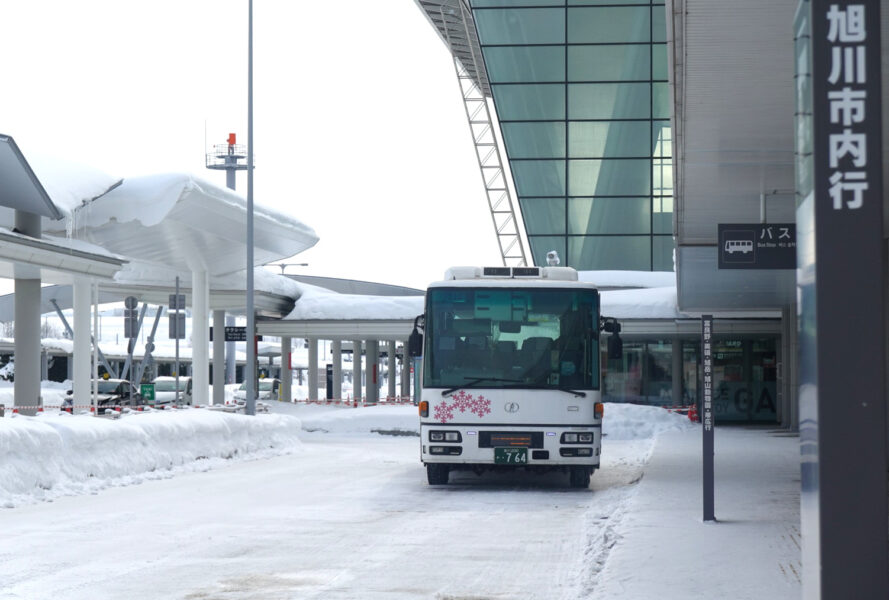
<point x="463" y="402"/>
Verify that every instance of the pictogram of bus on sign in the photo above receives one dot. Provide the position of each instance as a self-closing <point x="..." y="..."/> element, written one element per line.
<point x="742" y="246"/>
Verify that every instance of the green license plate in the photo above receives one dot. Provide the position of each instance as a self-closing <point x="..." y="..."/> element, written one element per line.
<point x="510" y="456"/>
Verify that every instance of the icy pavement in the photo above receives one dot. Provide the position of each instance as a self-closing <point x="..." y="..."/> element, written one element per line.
<point x="313" y="502"/>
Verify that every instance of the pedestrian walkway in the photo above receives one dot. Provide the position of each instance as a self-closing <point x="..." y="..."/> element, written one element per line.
<point x="666" y="551"/>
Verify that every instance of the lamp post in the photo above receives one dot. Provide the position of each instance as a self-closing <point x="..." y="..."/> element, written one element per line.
<point x="251" y="318"/>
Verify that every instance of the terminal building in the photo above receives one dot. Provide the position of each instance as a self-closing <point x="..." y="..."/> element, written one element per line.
<point x="590" y="120"/>
<point x="739" y="146"/>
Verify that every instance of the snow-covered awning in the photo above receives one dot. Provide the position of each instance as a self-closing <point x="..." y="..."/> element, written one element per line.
<point x="184" y="223"/>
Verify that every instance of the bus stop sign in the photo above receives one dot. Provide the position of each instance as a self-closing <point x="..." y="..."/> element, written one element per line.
<point x="757" y="246"/>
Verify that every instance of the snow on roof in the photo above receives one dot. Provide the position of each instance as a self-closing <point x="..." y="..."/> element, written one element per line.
<point x="628" y="279"/>
<point x="70" y="184"/>
<point x="652" y="303"/>
<point x="138" y="272"/>
<point x="316" y="303"/>
<point x="185" y="223"/>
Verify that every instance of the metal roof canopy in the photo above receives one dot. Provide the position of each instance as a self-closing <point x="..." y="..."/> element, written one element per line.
<point x="21" y="189"/>
<point x="456" y="39"/>
<point x="267" y="304"/>
<point x="733" y="127"/>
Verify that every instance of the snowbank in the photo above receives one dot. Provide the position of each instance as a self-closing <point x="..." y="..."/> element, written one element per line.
<point x="635" y="422"/>
<point x="59" y="454"/>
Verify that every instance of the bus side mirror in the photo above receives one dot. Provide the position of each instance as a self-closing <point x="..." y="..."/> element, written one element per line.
<point x="415" y="341"/>
<point x="615" y="347"/>
<point x="415" y="344"/>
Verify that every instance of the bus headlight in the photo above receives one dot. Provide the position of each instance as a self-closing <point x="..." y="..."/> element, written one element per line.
<point x="445" y="436"/>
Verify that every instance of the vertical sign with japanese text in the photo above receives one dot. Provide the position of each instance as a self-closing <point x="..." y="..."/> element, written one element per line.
<point x="707" y="414"/>
<point x="842" y="396"/>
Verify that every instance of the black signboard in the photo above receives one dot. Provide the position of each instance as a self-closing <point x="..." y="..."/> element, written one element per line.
<point x="235" y="334"/>
<point x="177" y="302"/>
<point x="757" y="246"/>
<point x="841" y="278"/>
<point x="707" y="415"/>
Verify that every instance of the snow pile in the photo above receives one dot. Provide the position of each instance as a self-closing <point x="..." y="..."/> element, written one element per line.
<point x="634" y="422"/>
<point x="59" y="454"/>
<point x="389" y="419"/>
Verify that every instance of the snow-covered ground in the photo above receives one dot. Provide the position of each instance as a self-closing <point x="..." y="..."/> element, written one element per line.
<point x="315" y="501"/>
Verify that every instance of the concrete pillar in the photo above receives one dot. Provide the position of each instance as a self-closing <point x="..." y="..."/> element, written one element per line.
<point x="405" y="371"/>
<point x="27" y="345"/>
<point x="391" y="368"/>
<point x="286" y="373"/>
<point x="79" y="365"/>
<point x="373" y="372"/>
<point x="200" y="332"/>
<point x="356" y="370"/>
<point x="219" y="357"/>
<point x="313" y="369"/>
<point x="27" y="324"/>
<point x="44" y="364"/>
<point x="336" y="351"/>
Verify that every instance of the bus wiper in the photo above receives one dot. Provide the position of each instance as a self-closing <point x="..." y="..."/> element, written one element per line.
<point x="575" y="392"/>
<point x="473" y="381"/>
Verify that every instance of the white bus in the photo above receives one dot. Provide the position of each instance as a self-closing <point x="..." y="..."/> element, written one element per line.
<point x="510" y="372"/>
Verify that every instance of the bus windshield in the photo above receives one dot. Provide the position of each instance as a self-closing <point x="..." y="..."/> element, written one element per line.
<point x="542" y="338"/>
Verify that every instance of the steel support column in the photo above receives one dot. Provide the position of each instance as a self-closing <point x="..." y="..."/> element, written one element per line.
<point x="286" y="373"/>
<point x="219" y="357"/>
<point x="200" y="333"/>
<point x="313" y="369"/>
<point x="82" y="337"/>
<point x="356" y="370"/>
<point x="390" y="368"/>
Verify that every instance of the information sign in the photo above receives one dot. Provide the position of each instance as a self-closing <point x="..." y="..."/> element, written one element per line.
<point x="757" y="246"/>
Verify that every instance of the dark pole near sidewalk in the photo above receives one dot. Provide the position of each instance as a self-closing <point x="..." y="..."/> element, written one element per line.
<point x="707" y="415"/>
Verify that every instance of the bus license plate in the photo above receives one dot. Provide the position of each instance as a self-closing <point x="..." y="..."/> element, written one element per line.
<point x="510" y="456"/>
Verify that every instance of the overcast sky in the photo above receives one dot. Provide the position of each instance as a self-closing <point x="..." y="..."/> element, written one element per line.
<point x="359" y="127"/>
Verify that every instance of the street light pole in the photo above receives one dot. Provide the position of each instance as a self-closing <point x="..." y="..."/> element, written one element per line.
<point x="250" y="376"/>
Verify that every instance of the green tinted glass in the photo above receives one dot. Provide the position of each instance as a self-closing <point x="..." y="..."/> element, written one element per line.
<point x="543" y="215"/>
<point x="609" y="24"/>
<point x="609" y="139"/>
<point x="609" y="101"/>
<point x="520" y="25"/>
<point x="615" y="177"/>
<point x="534" y="102"/>
<point x="535" y="140"/>
<point x="609" y="215"/>
<point x="662" y="215"/>
<point x="660" y="94"/>
<point x="630" y="253"/>
<point x="659" y="62"/>
<point x="539" y="177"/>
<point x="658" y="24"/>
<point x="663" y="253"/>
<point x="509" y="64"/>
<point x="609" y="63"/>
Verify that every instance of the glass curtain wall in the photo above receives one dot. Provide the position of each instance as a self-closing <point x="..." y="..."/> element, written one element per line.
<point x="580" y="88"/>
<point x="745" y="376"/>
